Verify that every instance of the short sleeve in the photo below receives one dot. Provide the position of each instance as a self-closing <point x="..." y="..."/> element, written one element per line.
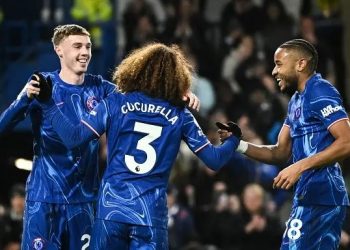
<point x="327" y="105"/>
<point x="287" y="122"/>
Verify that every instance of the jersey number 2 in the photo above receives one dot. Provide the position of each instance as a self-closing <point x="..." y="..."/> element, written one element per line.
<point x="152" y="133"/>
<point x="87" y="243"/>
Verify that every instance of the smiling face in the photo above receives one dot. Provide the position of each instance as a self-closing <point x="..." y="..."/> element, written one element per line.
<point x="286" y="70"/>
<point x="74" y="52"/>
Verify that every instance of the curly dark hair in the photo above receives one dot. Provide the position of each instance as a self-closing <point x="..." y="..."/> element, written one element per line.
<point x="157" y="70"/>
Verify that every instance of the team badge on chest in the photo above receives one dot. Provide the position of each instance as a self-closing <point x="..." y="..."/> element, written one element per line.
<point x="297" y="113"/>
<point x="91" y="103"/>
<point x="38" y="243"/>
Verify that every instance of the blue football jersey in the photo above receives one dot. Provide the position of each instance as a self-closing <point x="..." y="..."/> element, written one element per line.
<point x="314" y="227"/>
<point x="143" y="136"/>
<point x="143" y="139"/>
<point x="61" y="175"/>
<point x="310" y="114"/>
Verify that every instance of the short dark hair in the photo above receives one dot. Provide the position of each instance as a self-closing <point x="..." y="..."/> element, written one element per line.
<point x="305" y="48"/>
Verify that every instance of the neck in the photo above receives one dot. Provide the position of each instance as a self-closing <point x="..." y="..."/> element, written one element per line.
<point x="303" y="80"/>
<point x="71" y="78"/>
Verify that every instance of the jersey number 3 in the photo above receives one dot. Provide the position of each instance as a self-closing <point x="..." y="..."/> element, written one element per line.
<point x="152" y="133"/>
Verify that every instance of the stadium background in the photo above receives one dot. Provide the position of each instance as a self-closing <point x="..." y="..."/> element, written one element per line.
<point x="231" y="43"/>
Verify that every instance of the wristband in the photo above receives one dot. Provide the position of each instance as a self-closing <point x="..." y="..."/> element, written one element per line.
<point x="242" y="147"/>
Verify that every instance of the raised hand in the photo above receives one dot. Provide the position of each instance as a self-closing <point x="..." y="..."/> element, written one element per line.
<point x="192" y="100"/>
<point x="32" y="88"/>
<point x="230" y="127"/>
<point x="44" y="85"/>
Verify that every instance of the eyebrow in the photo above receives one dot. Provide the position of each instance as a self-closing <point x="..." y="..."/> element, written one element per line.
<point x="78" y="43"/>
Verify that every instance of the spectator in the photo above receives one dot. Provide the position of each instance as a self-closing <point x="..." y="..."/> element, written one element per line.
<point x="307" y="31"/>
<point x="278" y="27"/>
<point x="134" y="11"/>
<point x="144" y="32"/>
<point x="260" y="228"/>
<point x="248" y="15"/>
<point x="11" y="222"/>
<point x="202" y="87"/>
<point x="180" y="222"/>
<point x="187" y="29"/>
<point x="243" y="53"/>
<point x="222" y="227"/>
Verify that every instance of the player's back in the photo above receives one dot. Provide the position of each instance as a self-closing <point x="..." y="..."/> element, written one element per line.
<point x="143" y="136"/>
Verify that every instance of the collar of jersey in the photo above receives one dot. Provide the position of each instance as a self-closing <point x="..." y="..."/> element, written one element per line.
<point x="65" y="84"/>
<point x="314" y="78"/>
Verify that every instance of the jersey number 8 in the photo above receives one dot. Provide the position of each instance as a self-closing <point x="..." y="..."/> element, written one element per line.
<point x="293" y="231"/>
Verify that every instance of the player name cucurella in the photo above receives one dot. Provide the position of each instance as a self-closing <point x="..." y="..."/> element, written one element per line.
<point x="149" y="108"/>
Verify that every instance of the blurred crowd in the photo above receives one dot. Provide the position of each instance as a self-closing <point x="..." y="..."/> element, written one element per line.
<point x="231" y="45"/>
<point x="11" y="219"/>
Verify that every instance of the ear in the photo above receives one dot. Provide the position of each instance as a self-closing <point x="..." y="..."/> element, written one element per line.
<point x="301" y="64"/>
<point x="58" y="51"/>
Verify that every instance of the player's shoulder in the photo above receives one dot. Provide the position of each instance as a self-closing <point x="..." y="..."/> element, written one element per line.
<point x="115" y="98"/>
<point x="96" y="80"/>
<point x="51" y="74"/>
<point x="185" y="115"/>
<point x="322" y="88"/>
<point x="93" y="79"/>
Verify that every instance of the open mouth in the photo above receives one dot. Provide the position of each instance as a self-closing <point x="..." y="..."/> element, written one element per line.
<point x="84" y="60"/>
<point x="279" y="80"/>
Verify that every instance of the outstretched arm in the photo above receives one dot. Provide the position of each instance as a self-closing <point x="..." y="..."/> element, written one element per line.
<point x="217" y="156"/>
<point x="271" y="154"/>
<point x="74" y="135"/>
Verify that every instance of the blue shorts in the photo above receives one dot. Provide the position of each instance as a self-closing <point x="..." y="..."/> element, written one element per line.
<point x="111" y="235"/>
<point x="57" y="226"/>
<point x="314" y="227"/>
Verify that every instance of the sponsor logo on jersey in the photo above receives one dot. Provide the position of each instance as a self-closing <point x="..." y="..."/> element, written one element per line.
<point x="91" y="103"/>
<point x="200" y="132"/>
<point x="330" y="110"/>
<point x="38" y="244"/>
